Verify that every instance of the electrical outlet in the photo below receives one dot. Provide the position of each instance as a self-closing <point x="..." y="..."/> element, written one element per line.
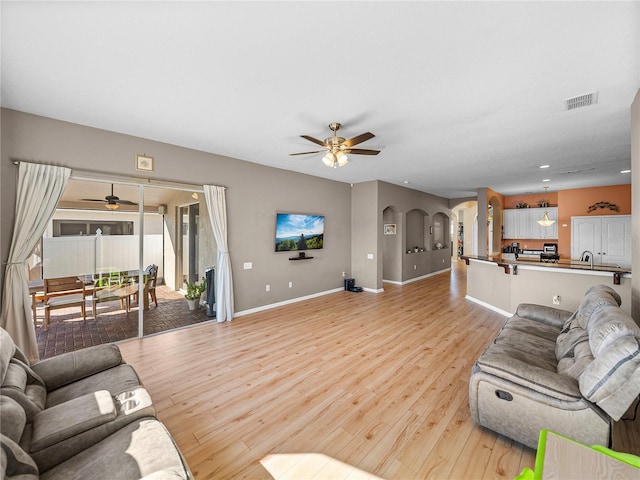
<point x="344" y="274"/>
<point x="268" y="288"/>
<point x="290" y="284"/>
<point x="556" y="299"/>
<point x="415" y="267"/>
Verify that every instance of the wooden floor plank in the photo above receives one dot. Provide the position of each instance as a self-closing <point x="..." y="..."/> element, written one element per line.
<point x="348" y="385"/>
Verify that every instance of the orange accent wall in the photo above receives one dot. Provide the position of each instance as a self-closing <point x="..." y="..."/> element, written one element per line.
<point x="576" y="202"/>
<point x="572" y="203"/>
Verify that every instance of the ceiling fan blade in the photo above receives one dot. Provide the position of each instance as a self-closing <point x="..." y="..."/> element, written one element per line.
<point x="91" y="200"/>
<point x="307" y="153"/>
<point x="315" y="140"/>
<point x="362" y="151"/>
<point x="125" y="202"/>
<point x="359" y="139"/>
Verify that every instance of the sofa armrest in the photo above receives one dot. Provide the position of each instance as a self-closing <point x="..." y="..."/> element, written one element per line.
<point x="70" y="367"/>
<point x="541" y="313"/>
<point x="71" y="418"/>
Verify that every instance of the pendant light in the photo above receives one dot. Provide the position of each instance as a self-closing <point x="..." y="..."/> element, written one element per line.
<point x="546" y="221"/>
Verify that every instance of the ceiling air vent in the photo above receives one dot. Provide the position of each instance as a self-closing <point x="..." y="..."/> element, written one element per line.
<point x="581" y="101"/>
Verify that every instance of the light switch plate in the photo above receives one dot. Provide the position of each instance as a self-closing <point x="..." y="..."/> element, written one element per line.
<point x="248" y="265"/>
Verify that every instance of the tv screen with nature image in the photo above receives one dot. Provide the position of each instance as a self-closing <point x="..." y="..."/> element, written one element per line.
<point x="299" y="232"/>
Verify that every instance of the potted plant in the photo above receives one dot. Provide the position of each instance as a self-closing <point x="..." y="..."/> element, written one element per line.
<point x="194" y="292"/>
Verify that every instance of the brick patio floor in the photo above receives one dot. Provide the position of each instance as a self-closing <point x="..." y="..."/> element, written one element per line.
<point x="68" y="332"/>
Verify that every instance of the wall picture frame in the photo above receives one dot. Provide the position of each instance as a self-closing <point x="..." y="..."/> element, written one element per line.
<point x="389" y="228"/>
<point x="144" y="163"/>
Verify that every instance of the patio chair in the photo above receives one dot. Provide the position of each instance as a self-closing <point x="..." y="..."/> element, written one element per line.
<point x="63" y="292"/>
<point x="107" y="288"/>
<point x="152" y="271"/>
<point x="151" y="274"/>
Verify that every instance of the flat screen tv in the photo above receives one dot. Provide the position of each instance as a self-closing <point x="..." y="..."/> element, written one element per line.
<point x="299" y="232"/>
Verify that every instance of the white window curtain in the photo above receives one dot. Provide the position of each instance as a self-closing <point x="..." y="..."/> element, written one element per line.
<point x="217" y="206"/>
<point x="39" y="190"/>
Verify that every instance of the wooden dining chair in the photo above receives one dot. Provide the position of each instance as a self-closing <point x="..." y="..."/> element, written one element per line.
<point x="151" y="274"/>
<point x="63" y="292"/>
<point x="152" y="271"/>
<point x="107" y="289"/>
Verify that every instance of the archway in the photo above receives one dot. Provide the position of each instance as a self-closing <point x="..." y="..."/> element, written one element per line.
<point x="464" y="236"/>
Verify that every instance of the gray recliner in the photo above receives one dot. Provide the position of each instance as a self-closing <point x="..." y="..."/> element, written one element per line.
<point x="58" y="379"/>
<point x="80" y="415"/>
<point x="572" y="373"/>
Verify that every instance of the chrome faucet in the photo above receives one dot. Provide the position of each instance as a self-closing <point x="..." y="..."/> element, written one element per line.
<point x="587" y="256"/>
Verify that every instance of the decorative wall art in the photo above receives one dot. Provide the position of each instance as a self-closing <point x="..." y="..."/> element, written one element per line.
<point x="389" y="228"/>
<point x="610" y="206"/>
<point x="144" y="163"/>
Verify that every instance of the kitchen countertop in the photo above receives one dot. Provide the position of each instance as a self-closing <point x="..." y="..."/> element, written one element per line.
<point x="562" y="264"/>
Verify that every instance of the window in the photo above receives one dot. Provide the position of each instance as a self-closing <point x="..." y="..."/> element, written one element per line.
<point x="66" y="228"/>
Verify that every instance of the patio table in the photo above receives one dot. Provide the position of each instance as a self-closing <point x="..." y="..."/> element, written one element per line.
<point x="120" y="291"/>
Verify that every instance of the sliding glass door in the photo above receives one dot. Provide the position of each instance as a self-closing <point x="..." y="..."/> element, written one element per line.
<point x="130" y="247"/>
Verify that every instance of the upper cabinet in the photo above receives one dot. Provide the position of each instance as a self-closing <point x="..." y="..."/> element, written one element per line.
<point x="523" y="223"/>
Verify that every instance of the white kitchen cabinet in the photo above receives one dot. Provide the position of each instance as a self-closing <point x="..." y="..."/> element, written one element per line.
<point x="510" y="224"/>
<point x="522" y="223"/>
<point x="608" y="237"/>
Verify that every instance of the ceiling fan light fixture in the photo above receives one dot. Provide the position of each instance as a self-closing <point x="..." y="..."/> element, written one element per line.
<point x="329" y="160"/>
<point x="342" y="159"/>
<point x="112" y="206"/>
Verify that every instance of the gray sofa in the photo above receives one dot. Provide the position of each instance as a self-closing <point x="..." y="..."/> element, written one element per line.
<point x="80" y="415"/>
<point x="572" y="373"/>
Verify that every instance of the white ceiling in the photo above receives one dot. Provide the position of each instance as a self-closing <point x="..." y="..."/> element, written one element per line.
<point x="460" y="95"/>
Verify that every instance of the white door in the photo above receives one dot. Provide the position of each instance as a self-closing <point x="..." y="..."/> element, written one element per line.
<point x="608" y="237"/>
<point x="616" y="240"/>
<point x="586" y="235"/>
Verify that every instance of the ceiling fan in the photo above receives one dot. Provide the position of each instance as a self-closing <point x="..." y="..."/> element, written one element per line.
<point x="110" y="201"/>
<point x="337" y="148"/>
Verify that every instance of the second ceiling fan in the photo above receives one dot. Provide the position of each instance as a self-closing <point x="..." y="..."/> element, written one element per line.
<point x="337" y="148"/>
<point x="110" y="201"/>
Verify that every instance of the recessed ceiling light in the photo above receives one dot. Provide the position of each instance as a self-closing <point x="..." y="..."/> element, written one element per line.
<point x="406" y="182"/>
<point x="546" y="180"/>
<point x="625" y="171"/>
<point x="545" y="166"/>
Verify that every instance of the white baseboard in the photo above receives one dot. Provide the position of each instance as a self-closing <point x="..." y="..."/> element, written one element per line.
<point x="285" y="302"/>
<point x="327" y="292"/>
<point x="489" y="306"/>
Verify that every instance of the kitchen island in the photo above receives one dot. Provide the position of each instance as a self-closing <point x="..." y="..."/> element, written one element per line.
<point x="502" y="284"/>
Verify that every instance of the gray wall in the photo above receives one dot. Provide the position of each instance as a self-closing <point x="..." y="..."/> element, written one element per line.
<point x="254" y="194"/>
<point x="635" y="208"/>
<point x="404" y="200"/>
<point x="366" y="235"/>
<point x="372" y="204"/>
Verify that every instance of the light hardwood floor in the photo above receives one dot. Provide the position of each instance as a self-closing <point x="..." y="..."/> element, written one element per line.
<point x="348" y="385"/>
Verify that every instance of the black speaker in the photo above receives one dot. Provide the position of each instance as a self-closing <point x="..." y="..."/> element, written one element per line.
<point x="349" y="283"/>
